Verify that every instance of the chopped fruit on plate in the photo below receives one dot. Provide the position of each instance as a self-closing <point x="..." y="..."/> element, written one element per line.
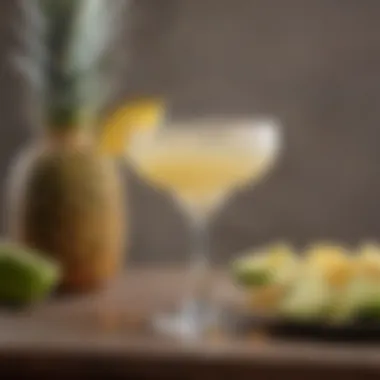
<point x="329" y="283"/>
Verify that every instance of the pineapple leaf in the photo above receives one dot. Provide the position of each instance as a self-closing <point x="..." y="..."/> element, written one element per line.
<point x="30" y="71"/>
<point x="95" y="28"/>
<point x="32" y="60"/>
<point x="66" y="46"/>
<point x="33" y="15"/>
<point x="90" y="35"/>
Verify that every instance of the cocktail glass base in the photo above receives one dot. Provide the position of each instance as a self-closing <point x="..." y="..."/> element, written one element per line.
<point x="191" y="321"/>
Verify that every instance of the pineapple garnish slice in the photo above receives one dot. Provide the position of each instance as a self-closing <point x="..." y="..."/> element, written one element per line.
<point x="137" y="116"/>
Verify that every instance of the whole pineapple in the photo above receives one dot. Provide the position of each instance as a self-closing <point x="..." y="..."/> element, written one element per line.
<point x="66" y="198"/>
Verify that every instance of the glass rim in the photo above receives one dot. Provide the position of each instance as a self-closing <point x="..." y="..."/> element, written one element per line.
<point x="217" y="124"/>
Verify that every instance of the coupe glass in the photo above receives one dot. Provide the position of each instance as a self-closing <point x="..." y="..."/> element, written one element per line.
<point x="201" y="163"/>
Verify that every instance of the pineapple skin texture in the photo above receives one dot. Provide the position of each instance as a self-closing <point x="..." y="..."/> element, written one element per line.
<point x="68" y="201"/>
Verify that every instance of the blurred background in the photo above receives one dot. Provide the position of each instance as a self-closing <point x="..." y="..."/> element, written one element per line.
<point x="313" y="64"/>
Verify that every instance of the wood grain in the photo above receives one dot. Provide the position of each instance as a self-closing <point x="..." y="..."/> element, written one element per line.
<point x="106" y="333"/>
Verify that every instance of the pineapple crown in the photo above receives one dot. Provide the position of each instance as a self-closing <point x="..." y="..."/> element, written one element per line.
<point x="68" y="55"/>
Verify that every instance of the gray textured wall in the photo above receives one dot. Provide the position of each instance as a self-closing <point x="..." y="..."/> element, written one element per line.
<point x="315" y="64"/>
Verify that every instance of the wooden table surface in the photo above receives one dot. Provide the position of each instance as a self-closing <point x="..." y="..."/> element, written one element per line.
<point x="106" y="333"/>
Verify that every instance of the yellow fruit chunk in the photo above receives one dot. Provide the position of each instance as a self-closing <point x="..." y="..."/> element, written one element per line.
<point x="333" y="262"/>
<point x="368" y="261"/>
<point x="266" y="299"/>
<point x="279" y="255"/>
<point x="137" y="116"/>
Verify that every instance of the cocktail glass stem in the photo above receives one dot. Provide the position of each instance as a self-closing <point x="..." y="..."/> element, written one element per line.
<point x="196" y="310"/>
<point x="200" y="252"/>
<point x="197" y="295"/>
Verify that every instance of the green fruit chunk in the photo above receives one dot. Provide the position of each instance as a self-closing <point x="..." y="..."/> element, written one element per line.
<point x="275" y="264"/>
<point x="309" y="300"/>
<point x="360" y="300"/>
<point x="252" y="272"/>
<point x="25" y="275"/>
<point x="368" y="303"/>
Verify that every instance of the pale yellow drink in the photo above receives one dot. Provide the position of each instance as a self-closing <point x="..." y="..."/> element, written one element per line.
<point x="199" y="171"/>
